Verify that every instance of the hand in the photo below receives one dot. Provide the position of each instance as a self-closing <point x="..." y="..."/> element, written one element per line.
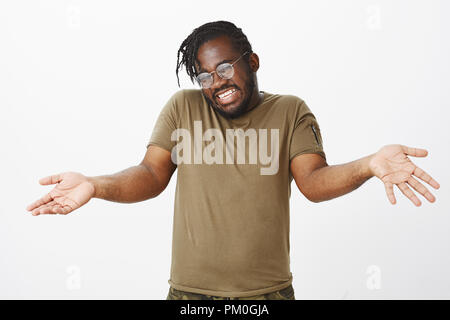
<point x="392" y="166"/>
<point x="72" y="190"/>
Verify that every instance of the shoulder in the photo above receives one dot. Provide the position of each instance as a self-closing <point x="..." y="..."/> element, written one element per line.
<point x="289" y="102"/>
<point x="184" y="104"/>
<point x="183" y="99"/>
<point x="187" y="95"/>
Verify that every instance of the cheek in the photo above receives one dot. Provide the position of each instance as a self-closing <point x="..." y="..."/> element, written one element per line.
<point x="208" y="93"/>
<point x="242" y="79"/>
<point x="240" y="83"/>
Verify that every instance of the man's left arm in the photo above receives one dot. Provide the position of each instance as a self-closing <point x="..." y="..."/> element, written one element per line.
<point x="319" y="182"/>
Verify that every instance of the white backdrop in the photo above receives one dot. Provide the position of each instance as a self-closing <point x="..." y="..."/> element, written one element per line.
<point x="81" y="85"/>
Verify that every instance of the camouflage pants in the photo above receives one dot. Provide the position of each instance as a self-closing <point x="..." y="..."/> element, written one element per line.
<point x="284" y="294"/>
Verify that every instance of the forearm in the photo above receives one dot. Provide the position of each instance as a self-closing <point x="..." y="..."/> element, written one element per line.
<point x="334" y="181"/>
<point x="134" y="184"/>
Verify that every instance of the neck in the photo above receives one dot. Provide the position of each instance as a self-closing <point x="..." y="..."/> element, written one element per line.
<point x="256" y="99"/>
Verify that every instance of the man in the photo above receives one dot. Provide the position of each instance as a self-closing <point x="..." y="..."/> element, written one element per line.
<point x="237" y="150"/>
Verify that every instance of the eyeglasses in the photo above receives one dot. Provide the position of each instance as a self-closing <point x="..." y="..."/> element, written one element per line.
<point x="223" y="70"/>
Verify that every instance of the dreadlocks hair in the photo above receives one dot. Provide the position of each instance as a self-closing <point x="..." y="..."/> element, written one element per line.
<point x="211" y="30"/>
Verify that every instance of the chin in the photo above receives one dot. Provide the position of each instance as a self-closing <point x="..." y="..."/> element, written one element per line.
<point x="230" y="108"/>
<point x="231" y="112"/>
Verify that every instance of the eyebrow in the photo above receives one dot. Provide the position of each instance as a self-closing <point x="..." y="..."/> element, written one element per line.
<point x="223" y="61"/>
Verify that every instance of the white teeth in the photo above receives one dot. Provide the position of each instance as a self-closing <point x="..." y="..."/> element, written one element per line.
<point x="226" y="93"/>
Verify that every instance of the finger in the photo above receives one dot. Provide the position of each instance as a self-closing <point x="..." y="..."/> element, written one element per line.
<point x="64" y="205"/>
<point x="52" y="209"/>
<point x="421" y="189"/>
<point x="50" y="179"/>
<point x="48" y="210"/>
<point x="57" y="209"/>
<point x="41" y="208"/>
<point x="418" y="172"/>
<point x="390" y="192"/>
<point x="44" y="200"/>
<point x="409" y="194"/>
<point x="64" y="209"/>
<point x="415" y="152"/>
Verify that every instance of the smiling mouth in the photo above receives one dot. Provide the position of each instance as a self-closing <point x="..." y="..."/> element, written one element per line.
<point x="228" y="96"/>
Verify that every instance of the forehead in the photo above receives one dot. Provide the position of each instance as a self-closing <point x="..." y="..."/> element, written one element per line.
<point x="214" y="52"/>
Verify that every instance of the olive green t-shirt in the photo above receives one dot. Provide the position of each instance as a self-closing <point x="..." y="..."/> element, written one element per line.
<point x="231" y="212"/>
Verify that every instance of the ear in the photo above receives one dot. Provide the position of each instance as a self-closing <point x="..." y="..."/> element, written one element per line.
<point x="254" y="62"/>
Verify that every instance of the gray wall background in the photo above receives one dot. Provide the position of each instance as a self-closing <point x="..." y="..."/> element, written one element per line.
<point x="81" y="85"/>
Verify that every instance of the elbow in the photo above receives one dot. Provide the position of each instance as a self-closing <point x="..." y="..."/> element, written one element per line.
<point x="153" y="192"/>
<point x="310" y="197"/>
<point x="320" y="198"/>
<point x="313" y="197"/>
<point x="315" y="200"/>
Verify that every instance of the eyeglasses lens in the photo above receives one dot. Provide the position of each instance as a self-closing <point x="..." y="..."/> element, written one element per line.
<point x="224" y="70"/>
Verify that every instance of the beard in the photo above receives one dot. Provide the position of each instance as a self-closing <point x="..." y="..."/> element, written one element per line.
<point x="243" y="107"/>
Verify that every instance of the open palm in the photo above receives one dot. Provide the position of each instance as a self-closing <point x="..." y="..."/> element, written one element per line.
<point x="392" y="165"/>
<point x="72" y="190"/>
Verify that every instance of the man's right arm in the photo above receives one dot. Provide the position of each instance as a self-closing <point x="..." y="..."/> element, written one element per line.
<point x="137" y="183"/>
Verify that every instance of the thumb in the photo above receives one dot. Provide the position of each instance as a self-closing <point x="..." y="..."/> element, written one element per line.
<point x="415" y="152"/>
<point x="50" y="179"/>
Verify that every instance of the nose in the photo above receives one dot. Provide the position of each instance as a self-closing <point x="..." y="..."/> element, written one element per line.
<point x="218" y="82"/>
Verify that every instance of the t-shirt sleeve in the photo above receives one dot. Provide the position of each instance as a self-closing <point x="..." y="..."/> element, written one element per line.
<point x="166" y="123"/>
<point x="306" y="137"/>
